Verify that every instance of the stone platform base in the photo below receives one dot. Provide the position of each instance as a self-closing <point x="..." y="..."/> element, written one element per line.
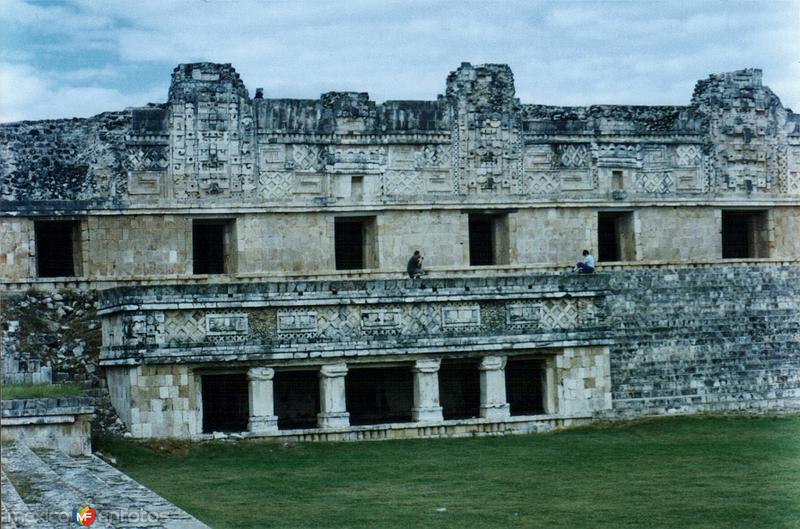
<point x="40" y="488"/>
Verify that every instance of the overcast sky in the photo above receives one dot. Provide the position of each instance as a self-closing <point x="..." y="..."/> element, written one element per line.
<point x="81" y="57"/>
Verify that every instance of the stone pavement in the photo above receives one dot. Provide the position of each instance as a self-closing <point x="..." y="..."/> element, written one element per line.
<point x="40" y="488"/>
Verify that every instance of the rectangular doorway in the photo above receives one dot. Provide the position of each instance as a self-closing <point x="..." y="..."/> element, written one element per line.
<point x="525" y="381"/>
<point x="226" y="406"/>
<point x="296" y="398"/>
<point x="378" y="395"/>
<point x="460" y="389"/>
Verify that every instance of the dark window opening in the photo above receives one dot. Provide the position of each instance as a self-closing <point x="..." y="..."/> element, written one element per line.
<point x="296" y="399"/>
<point x="615" y="236"/>
<point x="226" y="405"/>
<point x="525" y="386"/>
<point x="459" y="389"/>
<point x="379" y="395"/>
<point x="354" y="243"/>
<point x="58" y="245"/>
<point x="744" y="234"/>
<point x="211" y="241"/>
<point x="488" y="239"/>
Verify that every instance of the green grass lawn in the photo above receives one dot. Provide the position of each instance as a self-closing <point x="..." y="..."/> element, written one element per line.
<point x="677" y="472"/>
<point x="35" y="391"/>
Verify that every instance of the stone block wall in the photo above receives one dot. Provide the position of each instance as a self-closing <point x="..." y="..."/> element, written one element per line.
<point x="583" y="380"/>
<point x="706" y="339"/>
<point x="156" y="401"/>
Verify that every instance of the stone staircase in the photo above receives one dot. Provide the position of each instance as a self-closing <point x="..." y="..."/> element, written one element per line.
<point x="40" y="488"/>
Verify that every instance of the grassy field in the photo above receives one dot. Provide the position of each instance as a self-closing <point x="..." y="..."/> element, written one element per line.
<point x="679" y="472"/>
<point x="34" y="391"/>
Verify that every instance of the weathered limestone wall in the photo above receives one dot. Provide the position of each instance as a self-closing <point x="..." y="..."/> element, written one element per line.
<point x="785" y="232"/>
<point x="553" y="235"/>
<point x="679" y="234"/>
<point x="16" y="248"/>
<point x="285" y="242"/>
<point x="441" y="235"/>
<point x="62" y="424"/>
<point x="139" y="245"/>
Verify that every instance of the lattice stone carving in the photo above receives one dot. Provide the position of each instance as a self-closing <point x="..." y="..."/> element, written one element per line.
<point x="559" y="314"/>
<point x="658" y="183"/>
<point x="275" y="185"/>
<point x="309" y="157"/>
<point x="402" y="183"/>
<point x="339" y="323"/>
<point x="574" y="156"/>
<point x="147" y="158"/>
<point x="546" y="182"/>
<point x="689" y="155"/>
<point x="185" y="326"/>
<point x="433" y="156"/>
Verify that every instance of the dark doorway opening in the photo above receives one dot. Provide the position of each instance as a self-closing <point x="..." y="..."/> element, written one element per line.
<point x="744" y="234"/>
<point x="615" y="236"/>
<point x="525" y="386"/>
<point x="349" y="242"/>
<point x="460" y="389"/>
<point x="57" y="248"/>
<point x="226" y="406"/>
<point x="355" y="243"/>
<point x="481" y="240"/>
<point x="379" y="395"/>
<point x="296" y="399"/>
<point x="210" y="240"/>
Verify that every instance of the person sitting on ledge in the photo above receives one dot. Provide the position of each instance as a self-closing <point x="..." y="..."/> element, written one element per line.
<point x="587" y="265"/>
<point x="414" y="267"/>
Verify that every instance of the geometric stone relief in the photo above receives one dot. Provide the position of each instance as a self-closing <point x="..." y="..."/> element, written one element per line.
<point x="574" y="156"/>
<point x="381" y="320"/>
<point x="461" y="315"/>
<point x="435" y="156"/>
<point x="226" y="327"/>
<point x="655" y="182"/>
<point x="576" y="180"/>
<point x="792" y="171"/>
<point x="297" y="321"/>
<point x="144" y="182"/>
<point x="147" y="158"/>
<point x="185" y="326"/>
<point x="544" y="182"/>
<point x="275" y="185"/>
<point x="559" y="314"/>
<point x="523" y="316"/>
<point x="309" y="157"/>
<point x="689" y="155"/>
<point x="402" y="183"/>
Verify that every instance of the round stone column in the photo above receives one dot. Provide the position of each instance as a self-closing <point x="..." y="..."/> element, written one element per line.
<point x="333" y="405"/>
<point x="262" y="405"/>
<point x="426" y="391"/>
<point x="493" y="388"/>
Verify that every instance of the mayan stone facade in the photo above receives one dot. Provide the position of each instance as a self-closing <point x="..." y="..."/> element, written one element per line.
<point x="249" y="254"/>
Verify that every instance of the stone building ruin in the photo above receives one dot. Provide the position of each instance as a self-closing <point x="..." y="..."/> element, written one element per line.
<point x="249" y="253"/>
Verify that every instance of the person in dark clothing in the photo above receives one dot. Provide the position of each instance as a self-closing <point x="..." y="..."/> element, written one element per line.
<point x="414" y="267"/>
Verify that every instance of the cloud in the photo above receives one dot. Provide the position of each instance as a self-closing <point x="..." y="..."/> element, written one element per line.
<point x="29" y="94"/>
<point x="624" y="52"/>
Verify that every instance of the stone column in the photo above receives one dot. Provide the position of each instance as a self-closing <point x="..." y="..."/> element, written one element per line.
<point x="333" y="412"/>
<point x="262" y="405"/>
<point x="493" y="388"/>
<point x="426" y="391"/>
